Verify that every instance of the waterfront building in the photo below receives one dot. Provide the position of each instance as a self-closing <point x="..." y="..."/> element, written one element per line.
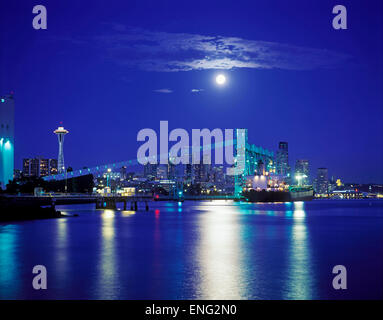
<point x="202" y="170"/>
<point x="39" y="167"/>
<point x="218" y="175"/>
<point x="162" y="172"/>
<point x="188" y="174"/>
<point x="7" y="125"/>
<point x="171" y="174"/>
<point x="17" y="174"/>
<point x="321" y="181"/>
<point x="189" y="168"/>
<point x="302" y="169"/>
<point x="123" y="173"/>
<point x="150" y="170"/>
<point x="332" y="184"/>
<point x="282" y="161"/>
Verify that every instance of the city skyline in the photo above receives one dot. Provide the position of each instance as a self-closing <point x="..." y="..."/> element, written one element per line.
<point x="281" y="158"/>
<point x="325" y="102"/>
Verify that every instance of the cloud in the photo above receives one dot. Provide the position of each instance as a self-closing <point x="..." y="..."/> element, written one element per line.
<point x="163" y="90"/>
<point x="172" y="52"/>
<point x="197" y="90"/>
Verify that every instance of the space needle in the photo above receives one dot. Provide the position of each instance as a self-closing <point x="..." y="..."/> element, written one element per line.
<point x="61" y="132"/>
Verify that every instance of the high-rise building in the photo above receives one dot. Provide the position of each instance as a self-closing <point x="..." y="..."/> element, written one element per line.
<point x="172" y="172"/>
<point x="150" y="170"/>
<point x="162" y="172"/>
<point x="282" y="160"/>
<point x="7" y="125"/>
<point x="61" y="132"/>
<point x="218" y="175"/>
<point x="321" y="181"/>
<point x="188" y="168"/>
<point x="39" y="167"/>
<point x="188" y="174"/>
<point x="302" y="169"/>
<point x="202" y="170"/>
<point x="123" y="173"/>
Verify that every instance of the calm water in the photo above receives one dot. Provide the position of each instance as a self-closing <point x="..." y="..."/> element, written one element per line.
<point x="199" y="250"/>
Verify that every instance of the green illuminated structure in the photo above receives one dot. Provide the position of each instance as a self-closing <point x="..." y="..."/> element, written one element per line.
<point x="251" y="155"/>
<point x="7" y="125"/>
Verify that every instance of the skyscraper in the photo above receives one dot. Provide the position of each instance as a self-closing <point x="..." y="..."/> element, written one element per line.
<point x="162" y="172"/>
<point x="39" y="167"/>
<point x="61" y="132"/>
<point x="282" y="160"/>
<point x="302" y="169"/>
<point x="7" y="124"/>
<point x="321" y="181"/>
<point x="123" y="173"/>
<point x="171" y="169"/>
<point x="218" y="176"/>
<point x="150" y="170"/>
<point x="202" y="170"/>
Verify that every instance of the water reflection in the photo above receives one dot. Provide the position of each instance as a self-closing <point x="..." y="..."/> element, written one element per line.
<point x="299" y="281"/>
<point x="8" y="263"/>
<point x="211" y="250"/>
<point x="128" y="213"/>
<point x="219" y="253"/>
<point x="108" y="284"/>
<point x="61" y="252"/>
<point x="299" y="212"/>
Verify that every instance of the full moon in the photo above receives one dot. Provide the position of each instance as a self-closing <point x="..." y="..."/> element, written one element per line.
<point x="220" y="79"/>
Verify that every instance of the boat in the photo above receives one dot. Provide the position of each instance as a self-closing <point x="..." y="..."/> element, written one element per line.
<point x="294" y="193"/>
<point x="301" y="193"/>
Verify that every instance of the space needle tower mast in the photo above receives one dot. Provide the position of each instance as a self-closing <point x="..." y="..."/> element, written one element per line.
<point x="61" y="132"/>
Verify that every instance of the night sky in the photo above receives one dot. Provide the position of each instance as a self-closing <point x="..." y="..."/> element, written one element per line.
<point x="107" y="69"/>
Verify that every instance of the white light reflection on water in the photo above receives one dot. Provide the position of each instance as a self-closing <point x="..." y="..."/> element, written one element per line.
<point x="219" y="253"/>
<point x="299" y="283"/>
<point x="108" y="282"/>
<point x="61" y="250"/>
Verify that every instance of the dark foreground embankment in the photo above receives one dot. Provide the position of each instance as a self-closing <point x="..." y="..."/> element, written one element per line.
<point x="12" y="209"/>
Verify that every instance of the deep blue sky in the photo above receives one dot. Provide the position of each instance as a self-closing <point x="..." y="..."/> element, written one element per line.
<point x="317" y="88"/>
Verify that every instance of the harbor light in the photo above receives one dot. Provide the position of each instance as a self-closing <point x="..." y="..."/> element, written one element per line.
<point x="300" y="177"/>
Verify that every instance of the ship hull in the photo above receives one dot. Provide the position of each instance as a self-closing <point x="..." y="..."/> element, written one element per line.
<point x="277" y="196"/>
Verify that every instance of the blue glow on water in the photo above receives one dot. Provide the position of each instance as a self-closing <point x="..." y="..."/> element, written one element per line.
<point x="214" y="250"/>
<point x="9" y="263"/>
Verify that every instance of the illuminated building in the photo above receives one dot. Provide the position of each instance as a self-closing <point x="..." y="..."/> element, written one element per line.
<point x="188" y="170"/>
<point x="61" y="132"/>
<point x="321" y="181"/>
<point x="17" y="174"/>
<point x="150" y="170"/>
<point x="39" y="167"/>
<point x="123" y="173"/>
<point x="282" y="160"/>
<point x="171" y="169"/>
<point x="302" y="169"/>
<point x="162" y="172"/>
<point x="254" y="158"/>
<point x="217" y="176"/>
<point x="202" y="170"/>
<point x="7" y="125"/>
